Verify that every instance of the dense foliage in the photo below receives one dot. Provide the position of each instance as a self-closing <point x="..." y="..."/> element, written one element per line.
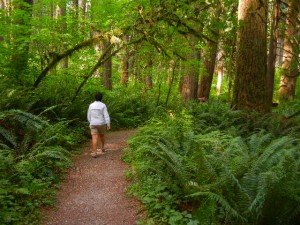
<point x="210" y="165"/>
<point x="192" y="163"/>
<point x="34" y="155"/>
<point x="40" y="132"/>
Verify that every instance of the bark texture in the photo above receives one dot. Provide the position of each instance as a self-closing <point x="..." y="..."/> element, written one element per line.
<point x="125" y="64"/>
<point x="290" y="64"/>
<point x="209" y="60"/>
<point x="107" y="67"/>
<point x="250" y="91"/>
<point x="189" y="80"/>
<point x="272" y="50"/>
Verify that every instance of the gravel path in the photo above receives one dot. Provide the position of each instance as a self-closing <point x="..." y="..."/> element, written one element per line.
<point x="94" y="191"/>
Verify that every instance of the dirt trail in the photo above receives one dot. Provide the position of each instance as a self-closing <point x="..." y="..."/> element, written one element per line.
<point x="94" y="191"/>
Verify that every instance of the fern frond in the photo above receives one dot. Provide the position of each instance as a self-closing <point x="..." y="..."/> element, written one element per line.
<point x="53" y="152"/>
<point x="273" y="150"/>
<point x="220" y="200"/>
<point x="26" y="119"/>
<point x="51" y="109"/>
<point x="4" y="146"/>
<point x="258" y="140"/>
<point x="176" y="170"/>
<point x="8" y="136"/>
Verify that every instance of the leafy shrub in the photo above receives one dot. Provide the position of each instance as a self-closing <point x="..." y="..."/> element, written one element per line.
<point x="215" y="168"/>
<point x="127" y="107"/>
<point x="33" y="156"/>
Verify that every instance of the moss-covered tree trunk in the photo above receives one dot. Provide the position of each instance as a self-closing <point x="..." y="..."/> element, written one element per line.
<point x="250" y="91"/>
<point x="125" y="63"/>
<point x="291" y="52"/>
<point x="148" y="72"/>
<point x="107" y="67"/>
<point x="61" y="11"/>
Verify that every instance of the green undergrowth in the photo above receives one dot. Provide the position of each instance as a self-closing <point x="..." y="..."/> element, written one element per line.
<point x="210" y="165"/>
<point x="34" y="155"/>
<point x="41" y="130"/>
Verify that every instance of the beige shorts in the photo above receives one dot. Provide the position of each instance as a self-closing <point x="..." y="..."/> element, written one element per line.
<point x="98" y="129"/>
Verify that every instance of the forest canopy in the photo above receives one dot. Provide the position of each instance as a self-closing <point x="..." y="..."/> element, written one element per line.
<point x="212" y="84"/>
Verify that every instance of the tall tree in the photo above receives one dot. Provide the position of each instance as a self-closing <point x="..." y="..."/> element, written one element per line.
<point x="107" y="65"/>
<point x="208" y="57"/>
<point x="61" y="12"/>
<point x="148" y="72"/>
<point x="21" y="30"/>
<point x="272" y="50"/>
<point x="2" y="9"/>
<point x="250" y="91"/>
<point x="125" y="63"/>
<point x="189" y="80"/>
<point x="220" y="71"/>
<point x="291" y="52"/>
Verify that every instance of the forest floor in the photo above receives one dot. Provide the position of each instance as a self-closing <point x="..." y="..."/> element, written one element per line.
<point x="94" y="191"/>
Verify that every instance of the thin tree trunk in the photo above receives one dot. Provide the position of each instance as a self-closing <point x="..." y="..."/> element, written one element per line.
<point x="2" y="6"/>
<point x="250" y="91"/>
<point x="83" y="16"/>
<point x="209" y="60"/>
<point x="107" y="67"/>
<point x="20" y="36"/>
<point x="290" y="64"/>
<point x="148" y="73"/>
<point x="62" y="13"/>
<point x="125" y="64"/>
<point x="220" y="69"/>
<point x="272" y="51"/>
<point x="171" y="80"/>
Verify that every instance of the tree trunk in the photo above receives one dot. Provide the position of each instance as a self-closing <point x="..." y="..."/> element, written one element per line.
<point x="83" y="16"/>
<point x="291" y="52"/>
<point x="148" y="73"/>
<point x="2" y="7"/>
<point x="107" y="67"/>
<point x="171" y="71"/>
<point x="125" y="64"/>
<point x="20" y="38"/>
<point x="250" y="91"/>
<point x="209" y="60"/>
<point x="279" y="51"/>
<point x="220" y="69"/>
<point x="272" y="51"/>
<point x="189" y="80"/>
<point x="62" y="9"/>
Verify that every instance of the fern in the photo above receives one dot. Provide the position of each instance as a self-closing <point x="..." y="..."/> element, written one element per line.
<point x="8" y="137"/>
<point x="25" y="119"/>
<point x="233" y="165"/>
<point x="220" y="200"/>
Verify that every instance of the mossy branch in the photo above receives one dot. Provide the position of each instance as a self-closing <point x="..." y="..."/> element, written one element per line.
<point x="65" y="54"/>
<point x="104" y="57"/>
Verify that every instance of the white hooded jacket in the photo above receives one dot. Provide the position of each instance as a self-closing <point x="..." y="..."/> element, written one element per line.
<point x="97" y="114"/>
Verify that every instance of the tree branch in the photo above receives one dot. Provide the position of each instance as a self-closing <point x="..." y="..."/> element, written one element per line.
<point x="65" y="54"/>
<point x="103" y="58"/>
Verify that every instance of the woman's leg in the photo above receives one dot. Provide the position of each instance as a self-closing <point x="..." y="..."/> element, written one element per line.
<point x="94" y="143"/>
<point x="102" y="138"/>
